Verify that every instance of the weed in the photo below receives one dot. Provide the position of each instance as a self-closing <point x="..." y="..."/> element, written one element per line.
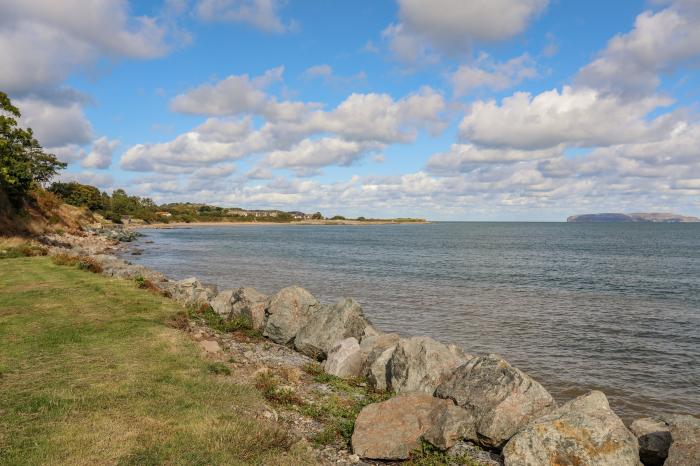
<point x="219" y="368"/>
<point x="140" y="282"/>
<point x="21" y="248"/>
<point x="269" y="386"/>
<point x="428" y="455"/>
<point x="89" y="264"/>
<point x="179" y="321"/>
<point x="64" y="259"/>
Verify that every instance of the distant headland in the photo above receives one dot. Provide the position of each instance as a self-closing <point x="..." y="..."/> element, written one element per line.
<point x="651" y="217"/>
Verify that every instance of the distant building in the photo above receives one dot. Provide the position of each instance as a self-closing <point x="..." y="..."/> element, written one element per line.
<point x="239" y="212"/>
<point x="164" y="214"/>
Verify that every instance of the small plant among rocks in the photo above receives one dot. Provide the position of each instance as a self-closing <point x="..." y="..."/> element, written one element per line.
<point x="428" y="455"/>
<point x="89" y="264"/>
<point x="271" y="389"/>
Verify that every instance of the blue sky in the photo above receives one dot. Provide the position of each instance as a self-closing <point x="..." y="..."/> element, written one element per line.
<point x="450" y="110"/>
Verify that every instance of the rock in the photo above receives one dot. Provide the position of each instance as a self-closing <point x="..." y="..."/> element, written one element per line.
<point x="191" y="292"/>
<point x="210" y="346"/>
<point x="392" y="429"/>
<point x="421" y="364"/>
<point x="345" y="359"/>
<point x="288" y="311"/>
<point x="247" y="302"/>
<point x="501" y="398"/>
<point x="478" y="456"/>
<point x="685" y="441"/>
<point x="583" y="432"/>
<point x="223" y="303"/>
<point x="377" y="350"/>
<point x="328" y="326"/>
<point x="454" y="424"/>
<point x="378" y="372"/>
<point x="654" y="438"/>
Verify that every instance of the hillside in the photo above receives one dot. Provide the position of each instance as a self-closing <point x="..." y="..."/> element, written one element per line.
<point x="41" y="212"/>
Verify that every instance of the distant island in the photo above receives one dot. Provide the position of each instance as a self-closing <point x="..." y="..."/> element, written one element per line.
<point x="651" y="217"/>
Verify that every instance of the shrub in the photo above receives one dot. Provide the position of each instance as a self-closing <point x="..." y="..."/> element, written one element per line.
<point x="179" y="321"/>
<point x="268" y="384"/>
<point x="89" y="264"/>
<point x="64" y="259"/>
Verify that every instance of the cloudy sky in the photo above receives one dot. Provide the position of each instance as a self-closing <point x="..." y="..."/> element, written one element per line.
<point x="448" y="109"/>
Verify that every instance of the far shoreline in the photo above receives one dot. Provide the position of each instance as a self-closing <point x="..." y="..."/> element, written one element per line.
<point x="177" y="225"/>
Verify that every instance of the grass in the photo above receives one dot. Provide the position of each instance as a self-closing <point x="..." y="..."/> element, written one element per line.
<point x="239" y="324"/>
<point x="428" y="455"/>
<point x="13" y="247"/>
<point x="91" y="374"/>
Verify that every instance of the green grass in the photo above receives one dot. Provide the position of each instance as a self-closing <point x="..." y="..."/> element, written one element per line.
<point x="91" y="374"/>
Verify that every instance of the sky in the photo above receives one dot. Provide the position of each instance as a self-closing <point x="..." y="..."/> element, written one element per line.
<point x="448" y="110"/>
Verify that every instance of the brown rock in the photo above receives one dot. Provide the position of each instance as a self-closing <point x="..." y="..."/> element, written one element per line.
<point x="654" y="439"/>
<point x="685" y="441"/>
<point x="392" y="429"/>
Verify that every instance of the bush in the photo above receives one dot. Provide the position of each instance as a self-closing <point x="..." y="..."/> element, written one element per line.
<point x="89" y="264"/>
<point x="64" y="259"/>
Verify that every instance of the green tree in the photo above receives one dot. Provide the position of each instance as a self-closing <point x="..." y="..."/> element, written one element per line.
<point x="317" y="216"/>
<point x="23" y="162"/>
<point x="79" y="194"/>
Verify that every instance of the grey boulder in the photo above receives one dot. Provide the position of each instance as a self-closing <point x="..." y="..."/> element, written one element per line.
<point x="501" y="398"/>
<point x="222" y="303"/>
<point x="191" y="292"/>
<point x="250" y="304"/>
<point x="453" y="425"/>
<point x="420" y="364"/>
<point x="328" y="325"/>
<point x="583" y="432"/>
<point x="287" y="312"/>
<point x="345" y="359"/>
<point x="654" y="437"/>
<point x="377" y="350"/>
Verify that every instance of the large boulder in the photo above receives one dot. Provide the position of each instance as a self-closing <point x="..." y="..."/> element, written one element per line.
<point x="345" y="359"/>
<point x="453" y="425"/>
<point x="501" y="398"/>
<point x="191" y="292"/>
<point x="583" y="432"/>
<point x="420" y="364"/>
<point x="654" y="437"/>
<point x="222" y="303"/>
<point x="287" y="312"/>
<point x="250" y="304"/>
<point x="392" y="429"/>
<point x="328" y="325"/>
<point x="685" y="441"/>
<point x="377" y="351"/>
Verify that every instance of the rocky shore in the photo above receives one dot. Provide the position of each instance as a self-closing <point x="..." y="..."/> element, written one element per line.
<point x="477" y="409"/>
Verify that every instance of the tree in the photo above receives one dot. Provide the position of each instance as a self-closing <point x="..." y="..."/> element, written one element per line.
<point x="79" y="195"/>
<point x="23" y="162"/>
<point x="317" y="216"/>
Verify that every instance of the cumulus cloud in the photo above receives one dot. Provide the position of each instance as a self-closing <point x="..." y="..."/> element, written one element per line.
<point x="42" y="41"/>
<point x="325" y="73"/>
<point x="261" y="14"/>
<point x="452" y="26"/>
<point x="101" y="154"/>
<point x="659" y="43"/>
<point x="55" y="124"/>
<point x="575" y="116"/>
<point x="493" y="75"/>
<point x="362" y="122"/>
<point x="467" y="157"/>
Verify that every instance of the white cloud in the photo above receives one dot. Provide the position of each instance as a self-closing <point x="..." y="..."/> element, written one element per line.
<point x="363" y="121"/>
<point x="452" y="26"/>
<point x="42" y="41"/>
<point x="55" y="124"/>
<point x="319" y="153"/>
<point x="318" y="71"/>
<point x="660" y="42"/>
<point x="492" y="75"/>
<point x="467" y="157"/>
<point x="103" y="180"/>
<point x="101" y="154"/>
<point x="578" y="117"/>
<point x="262" y="14"/>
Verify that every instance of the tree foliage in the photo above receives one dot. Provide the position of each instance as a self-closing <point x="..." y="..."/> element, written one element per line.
<point x="23" y="162"/>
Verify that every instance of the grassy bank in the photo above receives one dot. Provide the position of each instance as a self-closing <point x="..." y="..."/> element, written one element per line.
<point x="91" y="373"/>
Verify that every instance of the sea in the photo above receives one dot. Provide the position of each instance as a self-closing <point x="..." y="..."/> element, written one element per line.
<point x="578" y="306"/>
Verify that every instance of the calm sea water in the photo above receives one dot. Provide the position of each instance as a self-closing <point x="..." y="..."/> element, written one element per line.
<point x="614" y="307"/>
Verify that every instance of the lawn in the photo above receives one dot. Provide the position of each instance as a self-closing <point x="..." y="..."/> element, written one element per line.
<point x="90" y="373"/>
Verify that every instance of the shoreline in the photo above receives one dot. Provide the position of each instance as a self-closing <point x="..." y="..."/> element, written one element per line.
<point x="173" y="225"/>
<point x="399" y="365"/>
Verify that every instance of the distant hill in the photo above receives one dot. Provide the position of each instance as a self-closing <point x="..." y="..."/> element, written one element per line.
<point x="652" y="217"/>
